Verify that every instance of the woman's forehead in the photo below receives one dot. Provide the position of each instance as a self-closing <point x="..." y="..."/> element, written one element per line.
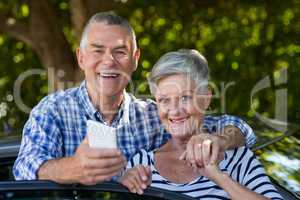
<point x="175" y="84"/>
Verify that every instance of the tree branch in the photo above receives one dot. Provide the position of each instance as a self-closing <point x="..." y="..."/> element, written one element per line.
<point x="53" y="47"/>
<point x="79" y="15"/>
<point x="16" y="29"/>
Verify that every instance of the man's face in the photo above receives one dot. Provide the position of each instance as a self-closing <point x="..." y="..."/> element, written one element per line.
<point x="108" y="59"/>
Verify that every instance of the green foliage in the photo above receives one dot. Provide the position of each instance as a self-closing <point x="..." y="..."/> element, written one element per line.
<point x="15" y="59"/>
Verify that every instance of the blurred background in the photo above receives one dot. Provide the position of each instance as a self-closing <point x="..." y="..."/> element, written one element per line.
<point x="253" y="50"/>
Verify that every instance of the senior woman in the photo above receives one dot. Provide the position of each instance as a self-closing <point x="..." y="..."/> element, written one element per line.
<point x="179" y="82"/>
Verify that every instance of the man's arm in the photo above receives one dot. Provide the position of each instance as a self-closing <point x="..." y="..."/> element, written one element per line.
<point x="224" y="125"/>
<point x="231" y="137"/>
<point x="41" y="157"/>
<point x="37" y="146"/>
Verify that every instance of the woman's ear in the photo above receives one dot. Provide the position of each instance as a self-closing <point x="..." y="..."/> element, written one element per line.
<point x="207" y="98"/>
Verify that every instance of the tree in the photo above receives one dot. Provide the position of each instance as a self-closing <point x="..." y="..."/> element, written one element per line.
<point x="243" y="42"/>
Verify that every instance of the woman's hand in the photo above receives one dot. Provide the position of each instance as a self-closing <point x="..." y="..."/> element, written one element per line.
<point x="137" y="179"/>
<point x="204" y="149"/>
<point x="210" y="169"/>
<point x="204" y="154"/>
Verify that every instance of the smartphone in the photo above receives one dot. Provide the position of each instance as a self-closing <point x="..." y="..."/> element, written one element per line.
<point x="100" y="135"/>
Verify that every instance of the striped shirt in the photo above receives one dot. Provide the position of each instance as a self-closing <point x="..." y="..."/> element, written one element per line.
<point x="241" y="164"/>
<point x="57" y="126"/>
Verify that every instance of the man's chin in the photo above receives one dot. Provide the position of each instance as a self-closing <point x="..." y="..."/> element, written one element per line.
<point x="110" y="93"/>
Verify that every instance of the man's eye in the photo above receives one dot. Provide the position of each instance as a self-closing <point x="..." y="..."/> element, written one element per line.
<point x="98" y="51"/>
<point x="120" y="53"/>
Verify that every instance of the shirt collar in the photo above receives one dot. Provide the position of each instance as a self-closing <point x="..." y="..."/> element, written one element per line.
<point x="85" y="101"/>
<point x="125" y="107"/>
<point x="91" y="111"/>
<point x="122" y="116"/>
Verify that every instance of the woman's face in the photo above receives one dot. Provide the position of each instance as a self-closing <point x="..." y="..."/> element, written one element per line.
<point x="181" y="109"/>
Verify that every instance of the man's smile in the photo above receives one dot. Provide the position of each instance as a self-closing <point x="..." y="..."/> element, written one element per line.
<point x="108" y="75"/>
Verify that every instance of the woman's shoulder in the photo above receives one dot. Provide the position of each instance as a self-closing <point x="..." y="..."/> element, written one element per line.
<point x="237" y="156"/>
<point x="144" y="152"/>
<point x="142" y="157"/>
<point x="245" y="151"/>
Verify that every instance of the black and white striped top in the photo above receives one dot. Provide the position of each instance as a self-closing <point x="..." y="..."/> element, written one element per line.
<point x="241" y="164"/>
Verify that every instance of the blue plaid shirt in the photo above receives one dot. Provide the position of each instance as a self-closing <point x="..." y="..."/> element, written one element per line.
<point x="57" y="126"/>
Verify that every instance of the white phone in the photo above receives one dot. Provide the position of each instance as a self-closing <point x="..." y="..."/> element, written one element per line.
<point x="100" y="135"/>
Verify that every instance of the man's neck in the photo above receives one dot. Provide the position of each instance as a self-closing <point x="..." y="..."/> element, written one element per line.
<point x="108" y="106"/>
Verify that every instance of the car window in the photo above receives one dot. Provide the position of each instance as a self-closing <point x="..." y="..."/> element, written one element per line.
<point x="72" y="195"/>
<point x="43" y="190"/>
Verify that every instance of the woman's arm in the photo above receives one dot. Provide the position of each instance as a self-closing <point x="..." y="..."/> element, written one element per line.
<point x="247" y="179"/>
<point x="236" y="190"/>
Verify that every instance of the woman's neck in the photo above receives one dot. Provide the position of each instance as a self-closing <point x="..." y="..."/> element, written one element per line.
<point x="176" y="145"/>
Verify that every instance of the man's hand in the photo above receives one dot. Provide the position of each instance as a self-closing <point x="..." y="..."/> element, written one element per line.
<point x="88" y="166"/>
<point x="137" y="179"/>
<point x="97" y="165"/>
<point x="199" y="156"/>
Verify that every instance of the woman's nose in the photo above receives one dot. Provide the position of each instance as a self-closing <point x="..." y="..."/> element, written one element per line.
<point x="174" y="107"/>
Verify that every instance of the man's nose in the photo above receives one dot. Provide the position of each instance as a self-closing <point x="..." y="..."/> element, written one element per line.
<point x="108" y="58"/>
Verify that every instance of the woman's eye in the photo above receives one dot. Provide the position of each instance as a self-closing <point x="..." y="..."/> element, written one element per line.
<point x="163" y="101"/>
<point x="186" y="98"/>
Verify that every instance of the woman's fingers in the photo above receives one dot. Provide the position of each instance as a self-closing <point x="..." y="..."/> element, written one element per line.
<point x="137" y="179"/>
<point x="215" y="151"/>
<point x="198" y="154"/>
<point x="206" y="151"/>
<point x="183" y="156"/>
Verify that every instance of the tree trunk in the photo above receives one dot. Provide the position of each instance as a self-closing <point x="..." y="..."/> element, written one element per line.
<point x="44" y="34"/>
<point x="51" y="46"/>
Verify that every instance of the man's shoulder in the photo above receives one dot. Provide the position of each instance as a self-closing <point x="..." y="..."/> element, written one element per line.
<point x="143" y="104"/>
<point x="216" y="118"/>
<point x="57" y="99"/>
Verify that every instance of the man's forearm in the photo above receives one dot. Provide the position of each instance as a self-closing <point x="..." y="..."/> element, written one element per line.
<point x="58" y="170"/>
<point x="232" y="137"/>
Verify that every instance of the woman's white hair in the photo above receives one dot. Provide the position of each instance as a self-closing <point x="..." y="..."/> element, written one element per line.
<point x="188" y="62"/>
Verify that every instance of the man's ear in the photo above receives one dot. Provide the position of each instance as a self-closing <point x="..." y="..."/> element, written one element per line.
<point x="79" y="56"/>
<point x="136" y="57"/>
